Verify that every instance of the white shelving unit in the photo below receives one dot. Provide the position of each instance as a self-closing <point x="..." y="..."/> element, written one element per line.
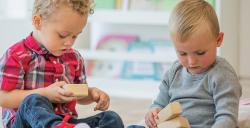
<point x="130" y="17"/>
<point x="145" y="24"/>
<point x="166" y="57"/>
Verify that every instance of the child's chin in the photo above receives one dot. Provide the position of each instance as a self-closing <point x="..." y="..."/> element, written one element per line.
<point x="57" y="54"/>
<point x="194" y="72"/>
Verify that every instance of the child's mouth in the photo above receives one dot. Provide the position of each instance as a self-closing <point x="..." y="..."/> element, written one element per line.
<point x="193" y="68"/>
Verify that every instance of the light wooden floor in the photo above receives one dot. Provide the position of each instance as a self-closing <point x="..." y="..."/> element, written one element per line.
<point x="131" y="111"/>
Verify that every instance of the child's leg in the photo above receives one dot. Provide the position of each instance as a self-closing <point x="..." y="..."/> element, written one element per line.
<point x="36" y="111"/>
<point x="107" y="119"/>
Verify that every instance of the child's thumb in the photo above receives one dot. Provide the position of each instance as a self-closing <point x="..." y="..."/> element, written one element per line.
<point x="61" y="83"/>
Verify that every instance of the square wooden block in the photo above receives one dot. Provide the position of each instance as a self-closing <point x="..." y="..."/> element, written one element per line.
<point x="171" y="111"/>
<point x="79" y="90"/>
<point x="178" y="122"/>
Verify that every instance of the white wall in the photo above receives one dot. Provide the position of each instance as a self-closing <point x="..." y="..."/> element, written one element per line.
<point x="229" y="23"/>
<point x="245" y="39"/>
<point x="235" y="22"/>
<point x="11" y="31"/>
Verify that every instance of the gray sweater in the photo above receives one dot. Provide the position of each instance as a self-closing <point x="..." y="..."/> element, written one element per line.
<point x="210" y="99"/>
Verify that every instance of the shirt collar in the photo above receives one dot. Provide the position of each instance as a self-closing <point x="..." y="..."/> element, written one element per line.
<point x="34" y="45"/>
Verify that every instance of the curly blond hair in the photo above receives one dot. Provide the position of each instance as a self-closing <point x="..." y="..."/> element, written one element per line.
<point x="189" y="15"/>
<point x="45" y="8"/>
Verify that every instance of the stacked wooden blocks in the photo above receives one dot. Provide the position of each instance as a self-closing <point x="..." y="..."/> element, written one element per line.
<point x="169" y="117"/>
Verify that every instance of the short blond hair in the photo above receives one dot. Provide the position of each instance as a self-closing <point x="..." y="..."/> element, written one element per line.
<point x="45" y="8"/>
<point x="187" y="17"/>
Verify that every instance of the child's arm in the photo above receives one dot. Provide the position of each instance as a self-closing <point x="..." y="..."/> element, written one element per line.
<point x="98" y="96"/>
<point x="226" y="94"/>
<point x="55" y="93"/>
<point x="12" y="99"/>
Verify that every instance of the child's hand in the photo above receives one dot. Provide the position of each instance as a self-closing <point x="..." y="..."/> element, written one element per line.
<point x="100" y="97"/>
<point x="56" y="94"/>
<point x="151" y="117"/>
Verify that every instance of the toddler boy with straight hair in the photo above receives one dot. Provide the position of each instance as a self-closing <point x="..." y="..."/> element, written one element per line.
<point x="206" y="85"/>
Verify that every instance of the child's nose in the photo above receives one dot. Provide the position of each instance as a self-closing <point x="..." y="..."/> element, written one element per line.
<point x="192" y="60"/>
<point x="69" y="42"/>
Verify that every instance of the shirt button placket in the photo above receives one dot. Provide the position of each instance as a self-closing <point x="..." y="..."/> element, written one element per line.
<point x="58" y="69"/>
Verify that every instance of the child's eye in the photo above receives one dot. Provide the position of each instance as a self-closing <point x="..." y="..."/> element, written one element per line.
<point x="200" y="53"/>
<point x="62" y="36"/>
<point x="182" y="54"/>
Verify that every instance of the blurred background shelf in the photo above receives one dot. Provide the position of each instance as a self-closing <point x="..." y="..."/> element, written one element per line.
<point x="130" y="17"/>
<point x="145" y="89"/>
<point x="166" y="57"/>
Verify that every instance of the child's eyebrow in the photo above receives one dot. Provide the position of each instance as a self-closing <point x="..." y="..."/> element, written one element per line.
<point x="197" y="51"/>
<point x="180" y="51"/>
<point x="68" y="32"/>
<point x="200" y="51"/>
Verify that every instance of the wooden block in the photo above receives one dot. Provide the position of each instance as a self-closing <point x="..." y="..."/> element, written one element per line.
<point x="178" y="122"/>
<point x="171" y="111"/>
<point x="79" y="90"/>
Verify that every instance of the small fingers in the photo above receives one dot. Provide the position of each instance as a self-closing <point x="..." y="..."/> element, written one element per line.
<point x="65" y="96"/>
<point x="102" y="105"/>
<point x="64" y="92"/>
<point x="103" y="102"/>
<point x="65" y="99"/>
<point x="106" y="106"/>
<point x="152" y="121"/>
<point x="149" y="124"/>
<point x="60" y="83"/>
<point x="101" y="98"/>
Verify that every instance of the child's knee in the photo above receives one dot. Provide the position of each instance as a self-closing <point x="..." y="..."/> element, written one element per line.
<point x="113" y="115"/>
<point x="34" y="99"/>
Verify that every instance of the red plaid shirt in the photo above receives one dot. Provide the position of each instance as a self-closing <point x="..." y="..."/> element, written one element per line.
<point x="28" y="65"/>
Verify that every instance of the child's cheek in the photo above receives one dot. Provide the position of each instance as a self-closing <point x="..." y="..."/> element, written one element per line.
<point x="182" y="60"/>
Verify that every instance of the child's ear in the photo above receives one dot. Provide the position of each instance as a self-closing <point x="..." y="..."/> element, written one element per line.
<point x="220" y="39"/>
<point x="37" y="21"/>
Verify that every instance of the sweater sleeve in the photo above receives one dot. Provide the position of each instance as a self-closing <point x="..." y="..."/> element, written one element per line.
<point x="162" y="99"/>
<point x="226" y="92"/>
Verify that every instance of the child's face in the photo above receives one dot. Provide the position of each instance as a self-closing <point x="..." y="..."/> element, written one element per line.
<point x="198" y="52"/>
<point x="59" y="31"/>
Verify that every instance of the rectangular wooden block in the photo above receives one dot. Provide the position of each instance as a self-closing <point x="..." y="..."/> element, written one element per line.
<point x="178" y="122"/>
<point x="171" y="111"/>
<point x="79" y="90"/>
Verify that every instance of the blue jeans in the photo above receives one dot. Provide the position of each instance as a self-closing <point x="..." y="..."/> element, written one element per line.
<point x="135" y="126"/>
<point x="36" y="111"/>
